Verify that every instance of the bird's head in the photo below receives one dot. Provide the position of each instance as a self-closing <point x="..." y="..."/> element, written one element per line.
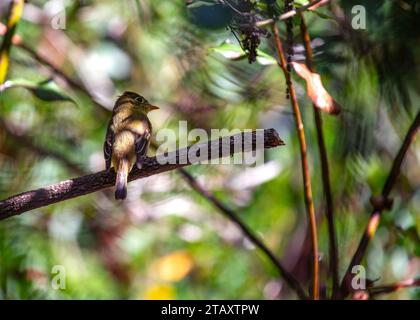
<point x="137" y="100"/>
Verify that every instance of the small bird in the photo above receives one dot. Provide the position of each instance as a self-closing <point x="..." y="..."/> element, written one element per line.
<point x="127" y="138"/>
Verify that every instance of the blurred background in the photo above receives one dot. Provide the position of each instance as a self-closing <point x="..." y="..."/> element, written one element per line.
<point x="166" y="241"/>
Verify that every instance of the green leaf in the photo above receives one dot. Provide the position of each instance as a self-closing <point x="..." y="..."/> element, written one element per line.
<point x="299" y="3"/>
<point x="265" y="59"/>
<point x="230" y="51"/>
<point x="235" y="52"/>
<point x="45" y="90"/>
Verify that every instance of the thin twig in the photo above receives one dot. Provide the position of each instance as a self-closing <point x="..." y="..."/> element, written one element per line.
<point x="106" y="251"/>
<point x="379" y="204"/>
<point x="231" y="215"/>
<point x="334" y="264"/>
<point x="69" y="80"/>
<point x="389" y="288"/>
<point x="290" y="14"/>
<point x="75" y="84"/>
<point x="292" y="282"/>
<point x="29" y="143"/>
<point x="25" y="141"/>
<point x="226" y="2"/>
<point x="304" y="160"/>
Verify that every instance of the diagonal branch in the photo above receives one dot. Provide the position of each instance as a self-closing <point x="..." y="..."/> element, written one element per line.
<point x="74" y="83"/>
<point x="25" y="141"/>
<point x="231" y="215"/>
<point x="380" y="204"/>
<point x="68" y="189"/>
<point x="31" y="144"/>
<point x="57" y="71"/>
<point x="304" y="162"/>
<point x="290" y="14"/>
<point x="389" y="288"/>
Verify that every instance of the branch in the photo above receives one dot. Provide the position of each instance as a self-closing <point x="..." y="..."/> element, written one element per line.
<point x="75" y="84"/>
<point x="410" y="283"/>
<point x="332" y="239"/>
<point x="292" y="282"/>
<point x="25" y="141"/>
<point x="55" y="70"/>
<point x="231" y="215"/>
<point x="290" y="14"/>
<point x="304" y="161"/>
<point x="380" y="204"/>
<point x="29" y="143"/>
<point x="76" y="187"/>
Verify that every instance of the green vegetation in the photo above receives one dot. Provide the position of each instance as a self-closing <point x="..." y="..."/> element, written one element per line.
<point x="193" y="61"/>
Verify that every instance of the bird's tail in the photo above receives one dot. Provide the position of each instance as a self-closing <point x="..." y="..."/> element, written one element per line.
<point x="121" y="179"/>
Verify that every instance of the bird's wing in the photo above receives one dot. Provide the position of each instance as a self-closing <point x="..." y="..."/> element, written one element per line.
<point x="142" y="129"/>
<point x="142" y="145"/>
<point x="109" y="141"/>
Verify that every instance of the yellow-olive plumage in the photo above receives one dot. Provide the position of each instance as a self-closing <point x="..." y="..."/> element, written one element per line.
<point x="127" y="138"/>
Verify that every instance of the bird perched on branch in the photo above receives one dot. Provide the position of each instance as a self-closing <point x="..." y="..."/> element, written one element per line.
<point x="127" y="138"/>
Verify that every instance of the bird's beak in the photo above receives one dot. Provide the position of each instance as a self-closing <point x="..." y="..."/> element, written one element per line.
<point x="151" y="107"/>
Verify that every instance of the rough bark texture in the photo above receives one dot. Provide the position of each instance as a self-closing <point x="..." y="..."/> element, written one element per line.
<point x="79" y="186"/>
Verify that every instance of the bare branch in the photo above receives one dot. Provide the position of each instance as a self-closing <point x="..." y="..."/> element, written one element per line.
<point x="304" y="162"/>
<point x="74" y="83"/>
<point x="410" y="283"/>
<point x="292" y="13"/>
<point x="231" y="215"/>
<point x="91" y="183"/>
<point x="332" y="239"/>
<point x="57" y="71"/>
<point x="380" y="204"/>
<point x="25" y="141"/>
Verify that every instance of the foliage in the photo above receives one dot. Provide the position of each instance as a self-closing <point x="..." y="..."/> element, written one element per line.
<point x="193" y="60"/>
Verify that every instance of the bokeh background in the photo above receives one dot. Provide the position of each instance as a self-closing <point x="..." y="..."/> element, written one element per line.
<point x="165" y="240"/>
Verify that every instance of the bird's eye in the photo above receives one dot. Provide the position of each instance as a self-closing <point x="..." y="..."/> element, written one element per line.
<point x="140" y="99"/>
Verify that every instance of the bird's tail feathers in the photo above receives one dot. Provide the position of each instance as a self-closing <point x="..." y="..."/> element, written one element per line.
<point x="121" y="180"/>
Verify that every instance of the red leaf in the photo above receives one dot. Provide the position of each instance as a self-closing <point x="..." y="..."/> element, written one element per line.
<point x="315" y="89"/>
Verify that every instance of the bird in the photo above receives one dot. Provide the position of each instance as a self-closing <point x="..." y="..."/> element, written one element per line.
<point x="127" y="138"/>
